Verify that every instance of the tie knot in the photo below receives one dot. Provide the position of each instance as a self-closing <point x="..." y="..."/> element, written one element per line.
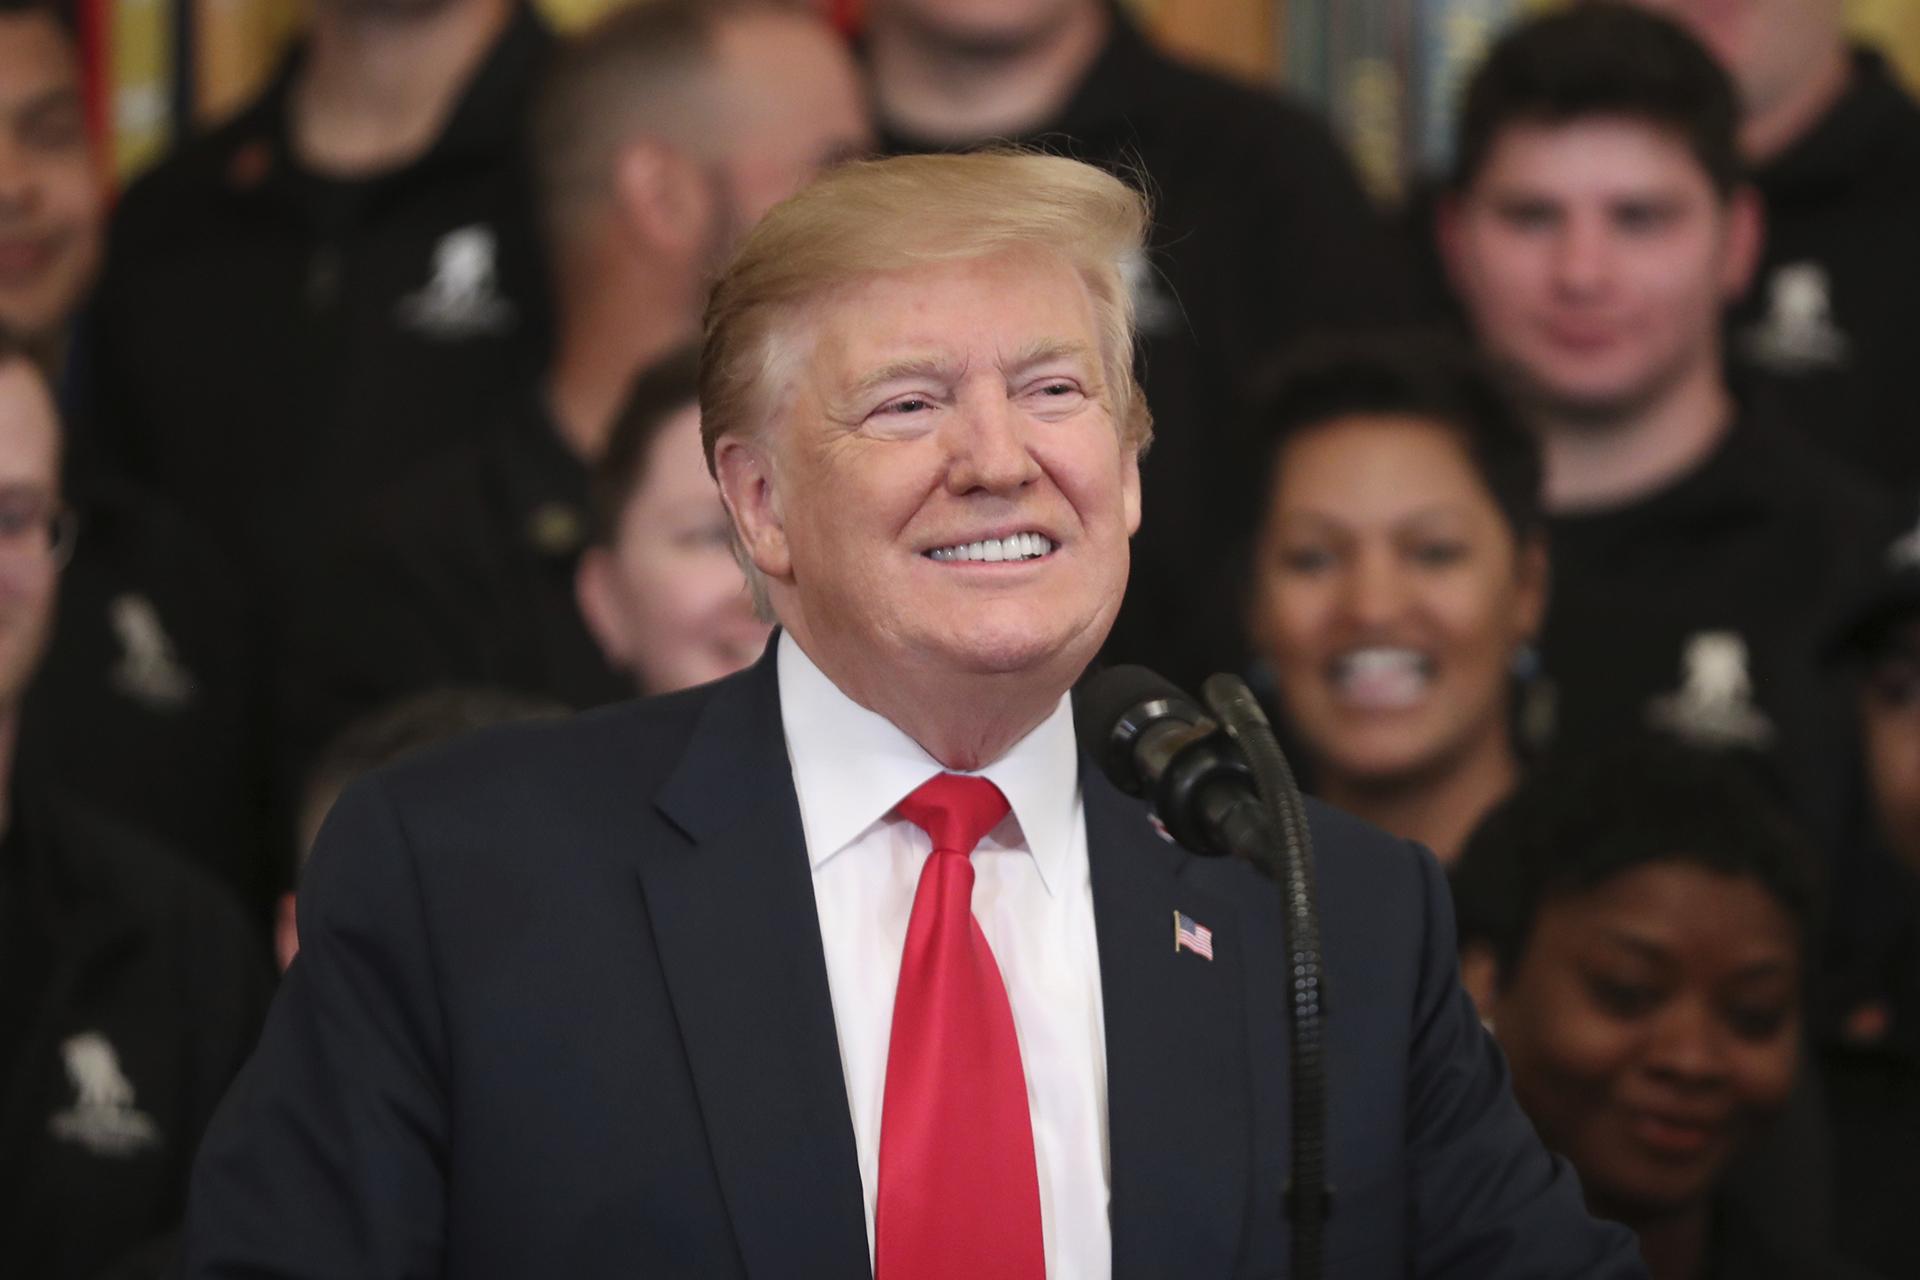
<point x="955" y="810"/>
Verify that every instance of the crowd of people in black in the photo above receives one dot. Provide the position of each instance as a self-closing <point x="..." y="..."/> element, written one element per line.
<point x="1566" y="518"/>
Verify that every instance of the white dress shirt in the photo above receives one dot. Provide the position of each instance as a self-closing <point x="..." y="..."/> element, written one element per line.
<point x="1033" y="898"/>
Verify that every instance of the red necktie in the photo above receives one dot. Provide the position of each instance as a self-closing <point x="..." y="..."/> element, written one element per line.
<point x="959" y="1198"/>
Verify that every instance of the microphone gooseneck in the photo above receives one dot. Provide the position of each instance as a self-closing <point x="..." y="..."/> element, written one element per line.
<point x="1223" y="787"/>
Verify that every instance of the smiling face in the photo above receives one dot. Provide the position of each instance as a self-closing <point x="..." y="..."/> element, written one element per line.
<point x="52" y="203"/>
<point x="667" y="601"/>
<point x="1594" y="259"/>
<point x="1652" y="1024"/>
<point x="944" y="496"/>
<point x="1390" y="597"/>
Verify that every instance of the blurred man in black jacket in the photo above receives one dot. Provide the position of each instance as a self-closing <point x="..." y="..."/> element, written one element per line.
<point x="130" y="985"/>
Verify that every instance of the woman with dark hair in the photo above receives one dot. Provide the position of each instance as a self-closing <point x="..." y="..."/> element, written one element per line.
<point x="1635" y="928"/>
<point x="1399" y="577"/>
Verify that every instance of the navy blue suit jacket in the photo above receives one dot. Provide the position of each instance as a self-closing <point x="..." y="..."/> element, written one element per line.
<point x="562" y="1011"/>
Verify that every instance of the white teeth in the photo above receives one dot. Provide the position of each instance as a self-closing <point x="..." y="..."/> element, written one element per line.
<point x="1383" y="678"/>
<point x="1015" y="546"/>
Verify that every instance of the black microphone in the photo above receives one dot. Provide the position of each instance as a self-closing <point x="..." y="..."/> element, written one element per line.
<point x="1152" y="740"/>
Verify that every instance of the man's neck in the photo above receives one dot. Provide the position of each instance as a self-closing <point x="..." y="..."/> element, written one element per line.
<point x="615" y="319"/>
<point x="378" y="87"/>
<point x="965" y="720"/>
<point x="1769" y="131"/>
<point x="938" y="90"/>
<point x="1596" y="466"/>
<point x="1438" y="809"/>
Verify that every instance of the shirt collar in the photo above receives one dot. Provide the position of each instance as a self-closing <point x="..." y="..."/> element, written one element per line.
<point x="852" y="765"/>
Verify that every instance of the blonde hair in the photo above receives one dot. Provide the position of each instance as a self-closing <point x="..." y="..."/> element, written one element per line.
<point x="879" y="216"/>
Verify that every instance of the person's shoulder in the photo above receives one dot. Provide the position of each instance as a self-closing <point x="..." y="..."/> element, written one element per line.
<point x="1233" y="110"/>
<point x="1808" y="479"/>
<point x="619" y="751"/>
<point x="97" y="861"/>
<point x="180" y="193"/>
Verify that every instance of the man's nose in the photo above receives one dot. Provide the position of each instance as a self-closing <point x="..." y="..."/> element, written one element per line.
<point x="1583" y="257"/>
<point x="988" y="447"/>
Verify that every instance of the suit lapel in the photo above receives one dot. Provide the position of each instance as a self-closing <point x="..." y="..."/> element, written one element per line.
<point x="739" y="943"/>
<point x="1179" y="1114"/>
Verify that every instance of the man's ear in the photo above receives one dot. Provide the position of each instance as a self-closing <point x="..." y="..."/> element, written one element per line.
<point x="745" y="473"/>
<point x="663" y="197"/>
<point x="1480" y="975"/>
<point x="1746" y="237"/>
<point x="593" y="591"/>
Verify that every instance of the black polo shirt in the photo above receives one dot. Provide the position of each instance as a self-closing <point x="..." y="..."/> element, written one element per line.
<point x="271" y="344"/>
<point x="460" y="573"/>
<point x="1699" y="611"/>
<point x="131" y="989"/>
<point x="149" y="703"/>
<point x="1834" y="312"/>
<point x="1261" y="236"/>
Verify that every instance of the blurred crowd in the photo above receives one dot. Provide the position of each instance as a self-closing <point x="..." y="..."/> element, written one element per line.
<point x="1568" y="518"/>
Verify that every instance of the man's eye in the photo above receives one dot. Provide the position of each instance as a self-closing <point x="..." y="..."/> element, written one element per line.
<point x="1306" y="559"/>
<point x="1438" y="555"/>
<point x="1528" y="217"/>
<point x="906" y="405"/>
<point x="1643" y="218"/>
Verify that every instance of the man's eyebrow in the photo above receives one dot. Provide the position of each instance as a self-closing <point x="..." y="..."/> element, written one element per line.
<point x="933" y="368"/>
<point x="1046" y="351"/>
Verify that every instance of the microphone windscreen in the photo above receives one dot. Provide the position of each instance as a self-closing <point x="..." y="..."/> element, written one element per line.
<point x="1104" y="701"/>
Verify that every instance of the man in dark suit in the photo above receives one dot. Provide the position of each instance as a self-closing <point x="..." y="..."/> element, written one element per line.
<point x="850" y="962"/>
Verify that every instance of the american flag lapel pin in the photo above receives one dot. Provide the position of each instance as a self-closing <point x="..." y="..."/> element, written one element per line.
<point x="1190" y="935"/>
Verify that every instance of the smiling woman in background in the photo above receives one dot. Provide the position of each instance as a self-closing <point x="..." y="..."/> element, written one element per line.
<point x="1634" y="927"/>
<point x="1400" y="575"/>
<point x="658" y="584"/>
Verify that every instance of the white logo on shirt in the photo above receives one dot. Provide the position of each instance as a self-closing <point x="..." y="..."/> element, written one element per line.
<point x="1798" y="333"/>
<point x="102" y="1118"/>
<point x="148" y="670"/>
<point x="1714" y="704"/>
<point x="461" y="298"/>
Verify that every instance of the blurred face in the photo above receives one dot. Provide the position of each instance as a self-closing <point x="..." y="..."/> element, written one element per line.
<point x="1594" y="259"/>
<point x="1890" y="719"/>
<point x="1390" y="597"/>
<point x="1769" y="47"/>
<point x="29" y="502"/>
<point x="667" y="601"/>
<point x="983" y="26"/>
<point x="946" y="493"/>
<point x="795" y="104"/>
<point x="52" y="203"/>
<point x="1652" y="1025"/>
